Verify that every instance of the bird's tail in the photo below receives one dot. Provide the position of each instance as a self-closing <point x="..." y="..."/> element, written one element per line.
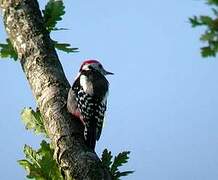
<point x="90" y="136"/>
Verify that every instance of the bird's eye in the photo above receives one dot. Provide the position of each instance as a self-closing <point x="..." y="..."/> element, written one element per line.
<point x="100" y="66"/>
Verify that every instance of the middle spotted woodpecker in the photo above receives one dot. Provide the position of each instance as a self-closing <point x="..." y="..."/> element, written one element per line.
<point x="87" y="99"/>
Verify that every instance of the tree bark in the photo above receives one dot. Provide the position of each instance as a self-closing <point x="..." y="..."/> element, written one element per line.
<point x="25" y="27"/>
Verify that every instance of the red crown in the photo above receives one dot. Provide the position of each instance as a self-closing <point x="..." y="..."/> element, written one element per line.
<point x="89" y="61"/>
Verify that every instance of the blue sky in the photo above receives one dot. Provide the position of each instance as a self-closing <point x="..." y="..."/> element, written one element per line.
<point x="163" y="97"/>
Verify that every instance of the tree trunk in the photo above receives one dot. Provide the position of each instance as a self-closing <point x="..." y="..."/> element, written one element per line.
<point x="24" y="25"/>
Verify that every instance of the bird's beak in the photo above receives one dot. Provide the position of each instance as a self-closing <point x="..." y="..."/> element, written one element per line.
<point x="108" y="73"/>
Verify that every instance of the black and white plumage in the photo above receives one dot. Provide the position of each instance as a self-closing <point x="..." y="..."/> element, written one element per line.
<point x="87" y="99"/>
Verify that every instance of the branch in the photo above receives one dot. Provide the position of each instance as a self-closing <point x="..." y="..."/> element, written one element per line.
<point x="25" y="27"/>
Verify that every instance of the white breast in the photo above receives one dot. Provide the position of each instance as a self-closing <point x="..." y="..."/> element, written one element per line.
<point x="86" y="85"/>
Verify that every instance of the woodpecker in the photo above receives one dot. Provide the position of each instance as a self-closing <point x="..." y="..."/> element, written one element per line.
<point x="87" y="99"/>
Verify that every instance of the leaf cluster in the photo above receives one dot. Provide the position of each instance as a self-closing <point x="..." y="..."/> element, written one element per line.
<point x="52" y="14"/>
<point x="113" y="164"/>
<point x="40" y="164"/>
<point x="210" y="36"/>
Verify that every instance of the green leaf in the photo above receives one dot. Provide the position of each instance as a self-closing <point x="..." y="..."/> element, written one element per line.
<point x="207" y="36"/>
<point x="207" y="20"/>
<point x="32" y="155"/>
<point x="40" y="165"/>
<point x="106" y="158"/>
<point x="195" y="21"/>
<point x="31" y="164"/>
<point x="26" y="165"/>
<point x="119" y="160"/>
<point x="120" y="174"/>
<point x="33" y="120"/>
<point x="32" y="171"/>
<point x="202" y="20"/>
<point x="210" y="36"/>
<point x="48" y="164"/>
<point x="207" y="52"/>
<point x="7" y="50"/>
<point x="53" y="12"/>
<point x="65" y="47"/>
<point x="213" y="2"/>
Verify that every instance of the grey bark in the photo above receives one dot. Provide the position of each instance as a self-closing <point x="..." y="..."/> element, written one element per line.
<point x="24" y="26"/>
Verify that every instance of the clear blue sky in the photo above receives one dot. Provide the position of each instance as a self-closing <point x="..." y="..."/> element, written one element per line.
<point x="163" y="97"/>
